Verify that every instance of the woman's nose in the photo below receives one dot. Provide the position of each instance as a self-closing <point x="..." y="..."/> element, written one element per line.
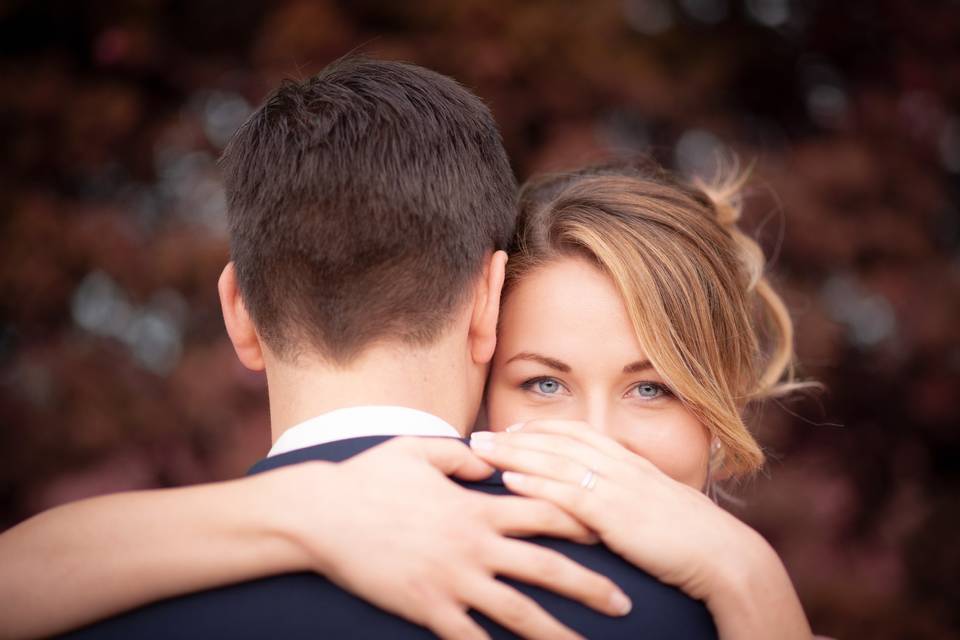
<point x="595" y="413"/>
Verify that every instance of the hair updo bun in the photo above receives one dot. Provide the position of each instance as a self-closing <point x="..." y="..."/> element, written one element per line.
<point x="726" y="198"/>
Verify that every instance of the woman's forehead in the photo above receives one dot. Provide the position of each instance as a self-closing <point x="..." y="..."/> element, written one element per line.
<point x="569" y="307"/>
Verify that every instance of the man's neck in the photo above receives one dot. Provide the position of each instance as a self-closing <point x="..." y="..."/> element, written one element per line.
<point x="426" y="379"/>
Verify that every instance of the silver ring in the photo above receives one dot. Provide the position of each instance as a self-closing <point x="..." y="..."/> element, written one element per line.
<point x="589" y="480"/>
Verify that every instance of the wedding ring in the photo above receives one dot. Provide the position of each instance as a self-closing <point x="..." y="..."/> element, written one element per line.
<point x="589" y="480"/>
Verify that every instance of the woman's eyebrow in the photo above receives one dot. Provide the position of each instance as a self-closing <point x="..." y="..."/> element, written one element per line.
<point x="544" y="360"/>
<point x="638" y="366"/>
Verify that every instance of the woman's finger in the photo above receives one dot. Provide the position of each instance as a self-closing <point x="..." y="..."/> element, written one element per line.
<point x="452" y="623"/>
<point x="448" y="455"/>
<point x="516" y="516"/>
<point x="518" y="613"/>
<point x="558" y="444"/>
<point x="580" y="431"/>
<point x="534" y="456"/>
<point x="536" y="565"/>
<point x="578" y="501"/>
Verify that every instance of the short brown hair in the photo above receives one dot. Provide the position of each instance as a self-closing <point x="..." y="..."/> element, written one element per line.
<point x="361" y="203"/>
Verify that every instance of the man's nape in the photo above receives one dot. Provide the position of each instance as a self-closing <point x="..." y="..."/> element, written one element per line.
<point x="444" y="378"/>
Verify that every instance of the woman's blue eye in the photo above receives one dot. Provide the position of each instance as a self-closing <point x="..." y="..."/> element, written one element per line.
<point x="650" y="390"/>
<point x="548" y="386"/>
<point x="543" y="386"/>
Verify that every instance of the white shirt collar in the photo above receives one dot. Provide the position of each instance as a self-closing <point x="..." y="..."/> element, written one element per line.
<point x="359" y="422"/>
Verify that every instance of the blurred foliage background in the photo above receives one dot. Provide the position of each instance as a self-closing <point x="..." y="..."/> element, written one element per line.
<point x="115" y="371"/>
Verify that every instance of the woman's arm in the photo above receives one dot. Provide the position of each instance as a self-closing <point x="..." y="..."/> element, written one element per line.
<point x="751" y="595"/>
<point x="91" y="559"/>
<point x="666" y="528"/>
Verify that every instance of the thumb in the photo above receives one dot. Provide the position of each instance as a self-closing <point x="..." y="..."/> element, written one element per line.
<point x="451" y="457"/>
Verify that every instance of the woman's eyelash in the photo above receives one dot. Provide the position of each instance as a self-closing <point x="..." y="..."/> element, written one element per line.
<point x="663" y="390"/>
<point x="530" y="385"/>
<point x="532" y="381"/>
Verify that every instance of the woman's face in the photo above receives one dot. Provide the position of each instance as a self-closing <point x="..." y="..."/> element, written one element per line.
<point x="566" y="350"/>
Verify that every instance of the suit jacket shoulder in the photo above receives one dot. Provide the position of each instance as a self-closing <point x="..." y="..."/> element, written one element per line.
<point x="306" y="605"/>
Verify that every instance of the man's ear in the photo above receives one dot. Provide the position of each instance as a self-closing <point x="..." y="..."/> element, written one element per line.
<point x="240" y="328"/>
<point x="486" y="309"/>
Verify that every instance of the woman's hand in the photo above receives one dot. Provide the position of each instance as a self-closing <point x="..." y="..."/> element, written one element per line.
<point x="388" y="526"/>
<point x="666" y="528"/>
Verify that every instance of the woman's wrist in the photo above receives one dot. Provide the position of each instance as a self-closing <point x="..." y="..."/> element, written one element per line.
<point x="751" y="594"/>
<point x="278" y="527"/>
<point x="741" y="566"/>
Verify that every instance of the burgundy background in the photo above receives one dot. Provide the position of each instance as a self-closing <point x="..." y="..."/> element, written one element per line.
<point x="115" y="372"/>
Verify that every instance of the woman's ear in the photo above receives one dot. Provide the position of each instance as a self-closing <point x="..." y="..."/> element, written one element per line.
<point x="240" y="328"/>
<point x="486" y="309"/>
<point x="720" y="470"/>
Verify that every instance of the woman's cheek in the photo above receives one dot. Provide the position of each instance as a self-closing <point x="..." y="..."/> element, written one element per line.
<point x="678" y="448"/>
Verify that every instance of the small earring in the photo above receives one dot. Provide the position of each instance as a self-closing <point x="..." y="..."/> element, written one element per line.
<point x="715" y="445"/>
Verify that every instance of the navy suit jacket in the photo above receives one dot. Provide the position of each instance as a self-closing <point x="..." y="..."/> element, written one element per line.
<point x="306" y="605"/>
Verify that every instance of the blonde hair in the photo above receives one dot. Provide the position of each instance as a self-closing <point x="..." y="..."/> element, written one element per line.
<point x="692" y="282"/>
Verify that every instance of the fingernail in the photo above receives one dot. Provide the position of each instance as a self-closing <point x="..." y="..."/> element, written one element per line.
<point x="514" y="478"/>
<point x="515" y="427"/>
<point x="481" y="435"/>
<point x="481" y="444"/>
<point x="620" y="603"/>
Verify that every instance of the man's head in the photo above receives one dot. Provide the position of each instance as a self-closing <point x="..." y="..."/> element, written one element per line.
<point x="363" y="204"/>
